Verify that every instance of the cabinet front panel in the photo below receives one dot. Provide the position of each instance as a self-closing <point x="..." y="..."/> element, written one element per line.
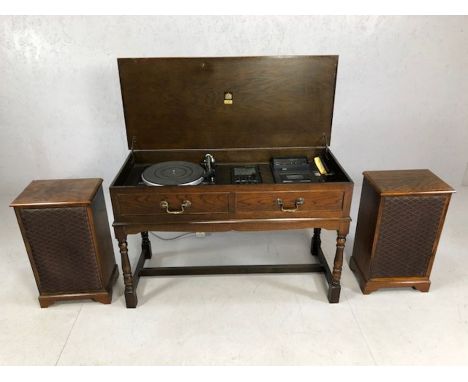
<point x="409" y="227"/>
<point x="172" y="204"/>
<point x="62" y="249"/>
<point x="290" y="203"/>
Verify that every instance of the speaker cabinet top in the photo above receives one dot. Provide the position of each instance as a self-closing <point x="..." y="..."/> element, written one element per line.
<point x="58" y="192"/>
<point x="404" y="182"/>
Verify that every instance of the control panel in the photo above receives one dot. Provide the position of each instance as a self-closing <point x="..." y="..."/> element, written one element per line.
<point x="245" y="175"/>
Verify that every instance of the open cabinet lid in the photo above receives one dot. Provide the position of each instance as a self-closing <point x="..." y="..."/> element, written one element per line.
<point x="228" y="102"/>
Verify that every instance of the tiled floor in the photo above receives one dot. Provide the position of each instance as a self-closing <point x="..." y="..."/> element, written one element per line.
<point x="254" y="319"/>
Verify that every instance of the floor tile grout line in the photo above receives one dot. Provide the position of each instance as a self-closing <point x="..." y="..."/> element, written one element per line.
<point x="360" y="330"/>
<point x="69" y="334"/>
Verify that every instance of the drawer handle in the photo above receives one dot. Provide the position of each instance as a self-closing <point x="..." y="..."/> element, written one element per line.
<point x="185" y="204"/>
<point x="299" y="202"/>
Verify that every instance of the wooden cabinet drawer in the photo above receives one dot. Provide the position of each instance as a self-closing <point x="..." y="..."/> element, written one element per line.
<point x="171" y="204"/>
<point x="290" y="203"/>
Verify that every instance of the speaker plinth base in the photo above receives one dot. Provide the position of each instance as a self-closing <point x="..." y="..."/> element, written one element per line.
<point x="104" y="296"/>
<point x="371" y="285"/>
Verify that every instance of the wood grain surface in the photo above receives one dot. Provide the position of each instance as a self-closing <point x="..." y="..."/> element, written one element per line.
<point x="178" y="103"/>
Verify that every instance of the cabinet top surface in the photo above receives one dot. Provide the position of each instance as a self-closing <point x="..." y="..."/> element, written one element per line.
<point x="394" y="182"/>
<point x="228" y="102"/>
<point x="53" y="192"/>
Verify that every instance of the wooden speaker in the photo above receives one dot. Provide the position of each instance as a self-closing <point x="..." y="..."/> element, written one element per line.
<point x="400" y="220"/>
<point x="66" y="233"/>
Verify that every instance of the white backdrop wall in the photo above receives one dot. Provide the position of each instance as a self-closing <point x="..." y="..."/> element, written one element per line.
<point x="401" y="97"/>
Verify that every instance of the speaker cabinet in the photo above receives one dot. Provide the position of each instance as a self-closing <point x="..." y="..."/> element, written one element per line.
<point x="400" y="220"/>
<point x="66" y="233"/>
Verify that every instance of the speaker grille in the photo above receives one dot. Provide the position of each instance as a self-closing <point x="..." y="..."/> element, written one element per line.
<point x="408" y="230"/>
<point x="62" y="249"/>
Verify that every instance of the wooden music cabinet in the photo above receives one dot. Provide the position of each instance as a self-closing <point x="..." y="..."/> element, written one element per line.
<point x="400" y="220"/>
<point x="66" y="233"/>
<point x="243" y="111"/>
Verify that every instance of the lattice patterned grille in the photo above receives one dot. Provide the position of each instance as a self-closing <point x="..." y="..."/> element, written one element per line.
<point x="64" y="255"/>
<point x="408" y="230"/>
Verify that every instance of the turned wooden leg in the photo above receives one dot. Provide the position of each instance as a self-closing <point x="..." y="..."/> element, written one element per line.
<point x="316" y="242"/>
<point x="335" y="287"/>
<point x="130" y="292"/>
<point x="146" y="245"/>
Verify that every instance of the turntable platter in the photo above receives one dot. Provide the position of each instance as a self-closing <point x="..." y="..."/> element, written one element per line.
<point x="173" y="173"/>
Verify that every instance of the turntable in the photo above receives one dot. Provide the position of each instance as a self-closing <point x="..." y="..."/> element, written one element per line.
<point x="180" y="113"/>
<point x="173" y="173"/>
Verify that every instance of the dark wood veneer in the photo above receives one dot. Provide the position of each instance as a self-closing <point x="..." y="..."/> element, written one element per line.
<point x="149" y="203"/>
<point x="174" y="110"/>
<point x="400" y="220"/>
<point x="56" y="192"/>
<point x="265" y="202"/>
<point x="285" y="101"/>
<point x="66" y="234"/>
